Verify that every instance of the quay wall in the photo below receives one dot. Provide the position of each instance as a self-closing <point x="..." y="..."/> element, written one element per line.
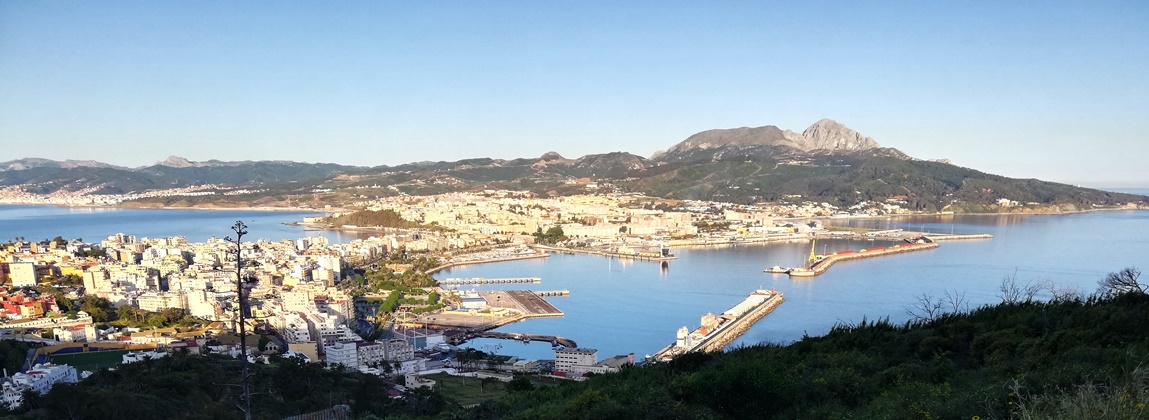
<point x="727" y="333"/>
<point x="740" y="325"/>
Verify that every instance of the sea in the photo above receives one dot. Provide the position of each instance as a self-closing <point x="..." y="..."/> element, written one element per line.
<point x="93" y="224"/>
<point x="621" y="307"/>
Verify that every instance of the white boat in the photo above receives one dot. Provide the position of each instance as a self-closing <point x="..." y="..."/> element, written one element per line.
<point x="777" y="270"/>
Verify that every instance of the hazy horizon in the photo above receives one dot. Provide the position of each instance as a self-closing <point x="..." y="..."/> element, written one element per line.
<point x="1055" y="92"/>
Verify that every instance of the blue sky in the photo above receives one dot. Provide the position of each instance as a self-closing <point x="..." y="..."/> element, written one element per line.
<point x="1050" y="90"/>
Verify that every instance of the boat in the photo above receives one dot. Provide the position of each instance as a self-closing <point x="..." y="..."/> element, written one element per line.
<point x="777" y="270"/>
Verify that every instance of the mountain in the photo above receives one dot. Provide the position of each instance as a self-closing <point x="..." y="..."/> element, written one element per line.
<point x="180" y="171"/>
<point x="827" y="162"/>
<point x="45" y="176"/>
<point x="825" y="136"/>
<point x="30" y="163"/>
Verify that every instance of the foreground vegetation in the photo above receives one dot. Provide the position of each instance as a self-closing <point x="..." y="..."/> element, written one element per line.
<point x="990" y="363"/>
<point x="1071" y="357"/>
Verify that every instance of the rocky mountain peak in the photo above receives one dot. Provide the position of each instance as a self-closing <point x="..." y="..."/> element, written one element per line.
<point x="177" y="162"/>
<point x="828" y="134"/>
<point x="767" y="141"/>
<point x="551" y="156"/>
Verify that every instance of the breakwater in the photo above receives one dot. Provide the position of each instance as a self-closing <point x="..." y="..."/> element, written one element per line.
<point x="642" y="256"/>
<point x="718" y="331"/>
<point x="820" y="266"/>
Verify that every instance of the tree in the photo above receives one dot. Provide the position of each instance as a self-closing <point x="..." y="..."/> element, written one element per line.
<point x="99" y="308"/>
<point x="1124" y="281"/>
<point x="1013" y="292"/>
<point x="520" y="384"/>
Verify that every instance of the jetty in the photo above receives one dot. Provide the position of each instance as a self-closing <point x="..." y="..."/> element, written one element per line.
<point x="484" y="280"/>
<point x="718" y="331"/>
<point x="663" y="255"/>
<point x="951" y="237"/>
<point x="553" y="339"/>
<point x="820" y="265"/>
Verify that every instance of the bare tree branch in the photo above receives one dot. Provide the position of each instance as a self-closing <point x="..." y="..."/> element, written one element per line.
<point x="927" y="308"/>
<point x="956" y="301"/>
<point x="1124" y="281"/>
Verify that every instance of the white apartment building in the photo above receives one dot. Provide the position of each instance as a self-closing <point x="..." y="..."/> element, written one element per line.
<point x="370" y="353"/>
<point x="295" y="329"/>
<point x="22" y="274"/>
<point x="346" y="354"/>
<point x="577" y="361"/>
<point x="158" y="301"/>
<point x="39" y="379"/>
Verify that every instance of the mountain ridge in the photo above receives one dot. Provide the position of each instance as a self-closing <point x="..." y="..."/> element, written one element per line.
<point x="828" y="162"/>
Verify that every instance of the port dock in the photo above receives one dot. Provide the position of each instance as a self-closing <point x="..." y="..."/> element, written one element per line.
<point x="718" y="331"/>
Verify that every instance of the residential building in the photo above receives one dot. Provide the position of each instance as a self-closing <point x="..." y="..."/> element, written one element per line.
<point x="577" y="361"/>
<point x="346" y="354"/>
<point x="39" y="379"/>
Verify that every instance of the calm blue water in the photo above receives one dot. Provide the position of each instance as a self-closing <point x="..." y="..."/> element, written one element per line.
<point x="94" y="224"/>
<point x="622" y="307"/>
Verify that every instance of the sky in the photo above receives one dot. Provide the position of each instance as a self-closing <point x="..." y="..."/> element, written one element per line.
<point x="1051" y="90"/>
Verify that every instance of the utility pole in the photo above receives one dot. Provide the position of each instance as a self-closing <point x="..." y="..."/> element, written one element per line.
<point x="240" y="229"/>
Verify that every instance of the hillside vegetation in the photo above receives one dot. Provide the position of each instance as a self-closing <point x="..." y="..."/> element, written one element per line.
<point x="850" y="179"/>
<point x="1025" y="359"/>
<point x="984" y="364"/>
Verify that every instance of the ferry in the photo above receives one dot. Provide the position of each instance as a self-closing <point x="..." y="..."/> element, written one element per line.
<point x="777" y="270"/>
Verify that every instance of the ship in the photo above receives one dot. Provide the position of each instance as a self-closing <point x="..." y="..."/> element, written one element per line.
<point x="777" y="270"/>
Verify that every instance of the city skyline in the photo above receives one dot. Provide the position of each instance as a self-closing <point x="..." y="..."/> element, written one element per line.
<point x="1050" y="91"/>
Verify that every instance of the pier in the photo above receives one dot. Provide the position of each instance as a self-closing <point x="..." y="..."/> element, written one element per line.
<point x="553" y="293"/>
<point x="553" y="339"/>
<point x="949" y="237"/>
<point x="820" y="266"/>
<point x="640" y="256"/>
<point x="484" y="280"/>
<point x="730" y="325"/>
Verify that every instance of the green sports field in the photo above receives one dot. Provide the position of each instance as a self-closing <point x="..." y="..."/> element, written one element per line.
<point x="91" y="361"/>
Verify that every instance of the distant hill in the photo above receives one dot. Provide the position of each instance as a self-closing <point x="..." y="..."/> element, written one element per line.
<point x="46" y="176"/>
<point x="30" y="163"/>
<point x="827" y="162"/>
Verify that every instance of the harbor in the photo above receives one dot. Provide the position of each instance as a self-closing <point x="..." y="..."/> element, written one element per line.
<point x="715" y="332"/>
